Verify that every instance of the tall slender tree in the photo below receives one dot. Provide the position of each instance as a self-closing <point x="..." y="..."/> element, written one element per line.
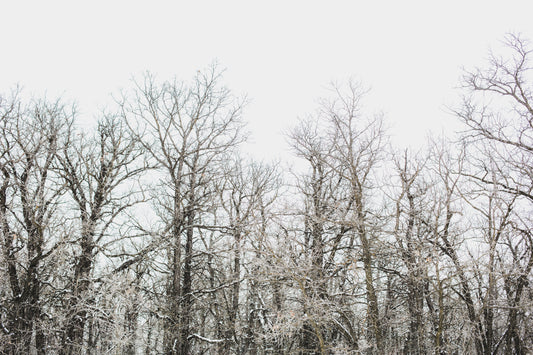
<point x="186" y="130"/>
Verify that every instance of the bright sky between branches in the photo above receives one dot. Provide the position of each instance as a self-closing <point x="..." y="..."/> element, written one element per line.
<point x="281" y="54"/>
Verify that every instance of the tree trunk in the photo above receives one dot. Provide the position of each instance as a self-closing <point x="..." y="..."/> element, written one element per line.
<point x="372" y="308"/>
<point x="186" y="296"/>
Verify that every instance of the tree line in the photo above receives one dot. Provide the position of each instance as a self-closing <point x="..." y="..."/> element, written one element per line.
<point x="155" y="233"/>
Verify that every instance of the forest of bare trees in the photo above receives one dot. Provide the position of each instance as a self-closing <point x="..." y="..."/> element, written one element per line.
<point x="155" y="233"/>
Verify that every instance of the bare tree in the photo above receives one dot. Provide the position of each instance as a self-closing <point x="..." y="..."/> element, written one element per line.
<point x="99" y="174"/>
<point x="29" y="198"/>
<point x="497" y="109"/>
<point x="186" y="130"/>
<point x="411" y="233"/>
<point x="358" y="141"/>
<point x="246" y="191"/>
<point x="324" y="203"/>
<point x="342" y="147"/>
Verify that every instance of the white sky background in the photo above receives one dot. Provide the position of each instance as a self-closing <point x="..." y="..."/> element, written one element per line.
<point x="282" y="54"/>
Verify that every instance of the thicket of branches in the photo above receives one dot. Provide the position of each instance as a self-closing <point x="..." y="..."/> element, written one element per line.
<point x="155" y="234"/>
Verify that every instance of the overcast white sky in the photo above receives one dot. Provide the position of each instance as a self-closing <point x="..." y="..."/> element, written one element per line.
<point x="280" y="53"/>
